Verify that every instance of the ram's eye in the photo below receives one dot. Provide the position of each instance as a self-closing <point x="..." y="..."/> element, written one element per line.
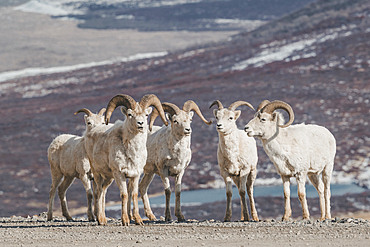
<point x="175" y="121"/>
<point x="130" y="115"/>
<point x="216" y="118"/>
<point x="88" y="123"/>
<point x="263" y="119"/>
<point x="230" y="118"/>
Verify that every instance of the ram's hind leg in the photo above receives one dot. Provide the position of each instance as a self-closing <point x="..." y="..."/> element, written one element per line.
<point x="89" y="194"/>
<point x="301" y="184"/>
<point x="288" y="209"/>
<point x="62" y="189"/>
<point x="319" y="186"/>
<point x="326" y="177"/>
<point x="56" y="178"/>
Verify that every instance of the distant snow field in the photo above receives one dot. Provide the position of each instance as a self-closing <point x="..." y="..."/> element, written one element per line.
<point x="286" y="50"/>
<point x="66" y="7"/>
<point x="6" y="76"/>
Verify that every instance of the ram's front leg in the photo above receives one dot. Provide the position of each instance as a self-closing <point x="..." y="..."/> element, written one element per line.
<point x="121" y="182"/>
<point x="99" y="197"/>
<point x="134" y="186"/>
<point x="143" y="188"/>
<point x="229" y="194"/>
<point x="167" y="190"/>
<point x="179" y="215"/>
<point x="241" y="184"/>
<point x="250" y="181"/>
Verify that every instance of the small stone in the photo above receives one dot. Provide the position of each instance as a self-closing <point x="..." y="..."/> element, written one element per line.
<point x="139" y="242"/>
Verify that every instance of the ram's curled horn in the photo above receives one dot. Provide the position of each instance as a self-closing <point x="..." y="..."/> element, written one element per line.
<point x="236" y="104"/>
<point x="84" y="110"/>
<point x="277" y="104"/>
<point x="152" y="100"/>
<point x="101" y="112"/>
<point x="172" y="109"/>
<point x="192" y="106"/>
<point x="153" y="116"/>
<point x="218" y="103"/>
<point x="262" y="104"/>
<point x="119" y="100"/>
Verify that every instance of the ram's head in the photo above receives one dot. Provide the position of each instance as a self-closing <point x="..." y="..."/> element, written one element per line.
<point x="266" y="121"/>
<point x="180" y="119"/>
<point x="136" y="112"/>
<point x="226" y="117"/>
<point x="92" y="119"/>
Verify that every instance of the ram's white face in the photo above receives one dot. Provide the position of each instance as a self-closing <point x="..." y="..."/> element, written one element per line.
<point x="263" y="125"/>
<point x="93" y="121"/>
<point x="226" y="119"/>
<point x="181" y="123"/>
<point x="137" y="120"/>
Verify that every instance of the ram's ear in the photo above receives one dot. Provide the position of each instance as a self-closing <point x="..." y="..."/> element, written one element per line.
<point x="215" y="112"/>
<point x="237" y="114"/>
<point x="124" y="110"/>
<point x="191" y="114"/>
<point x="168" y="116"/>
<point x="274" y="116"/>
<point x="148" y="110"/>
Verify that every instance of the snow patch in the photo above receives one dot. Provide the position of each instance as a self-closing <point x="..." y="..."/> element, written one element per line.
<point x="5" y="76"/>
<point x="283" y="50"/>
<point x="190" y="53"/>
<point x="48" y="7"/>
<point x="66" y="7"/>
<point x="274" y="54"/>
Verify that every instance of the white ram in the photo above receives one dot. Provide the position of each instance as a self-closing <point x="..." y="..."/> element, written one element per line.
<point x="296" y="151"/>
<point x="68" y="160"/>
<point x="169" y="154"/>
<point x="119" y="152"/>
<point x="237" y="158"/>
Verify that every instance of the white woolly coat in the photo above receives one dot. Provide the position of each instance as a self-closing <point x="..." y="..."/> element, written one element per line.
<point x="301" y="148"/>
<point x="165" y="150"/>
<point x="115" y="148"/>
<point x="236" y="153"/>
<point x="68" y="150"/>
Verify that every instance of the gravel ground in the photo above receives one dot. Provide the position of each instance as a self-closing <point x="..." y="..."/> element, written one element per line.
<point x="36" y="231"/>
